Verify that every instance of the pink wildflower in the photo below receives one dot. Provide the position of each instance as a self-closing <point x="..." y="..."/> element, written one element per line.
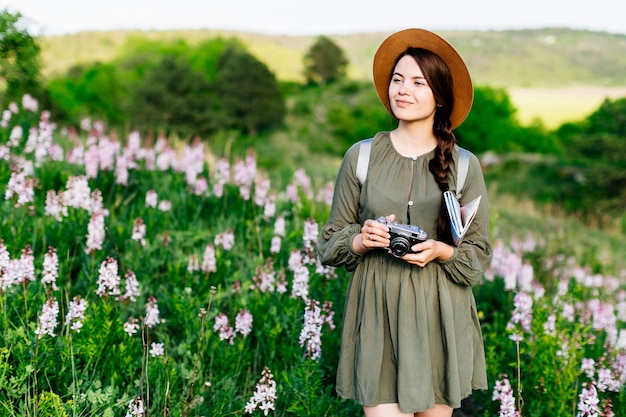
<point x="279" y="226"/>
<point x="121" y="169"/>
<point x="30" y="103"/>
<point x="50" y="268"/>
<point x="269" y="208"/>
<point x="221" y="177"/>
<point x="193" y="264"/>
<point x="292" y="193"/>
<point x="225" y="239"/>
<point x="165" y="205"/>
<point x="156" y="349"/>
<point x="108" y="278"/>
<point x="222" y="325"/>
<point x="152" y="313"/>
<point x="261" y="190"/>
<point x="275" y="246"/>
<point x="76" y="314"/>
<point x="588" y="404"/>
<point x="139" y="231"/>
<point x="503" y="392"/>
<point x="135" y="408"/>
<point x="26" y="266"/>
<point x="55" y="206"/>
<point x="209" y="262"/>
<point x="300" y="287"/>
<point x="311" y="334"/>
<point x="264" y="278"/>
<point x="244" y="173"/>
<point x="326" y="194"/>
<point x="151" y="199"/>
<point x="21" y="186"/>
<point x="243" y="322"/>
<point x="131" y="326"/>
<point x="132" y="287"/>
<point x="264" y="395"/>
<point x="95" y="232"/>
<point x="522" y="314"/>
<point x="77" y="193"/>
<point x="588" y="367"/>
<point x="48" y="318"/>
<point x="310" y="233"/>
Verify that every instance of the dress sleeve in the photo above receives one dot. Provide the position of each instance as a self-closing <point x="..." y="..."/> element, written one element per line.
<point x="473" y="256"/>
<point x="335" y="240"/>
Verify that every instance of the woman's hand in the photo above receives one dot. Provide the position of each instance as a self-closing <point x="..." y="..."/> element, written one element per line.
<point x="427" y="251"/>
<point x="374" y="235"/>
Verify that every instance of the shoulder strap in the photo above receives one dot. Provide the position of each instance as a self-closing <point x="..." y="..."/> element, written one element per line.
<point x="462" y="170"/>
<point x="365" y="146"/>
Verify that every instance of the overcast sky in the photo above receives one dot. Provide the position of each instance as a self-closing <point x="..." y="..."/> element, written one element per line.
<point x="317" y="17"/>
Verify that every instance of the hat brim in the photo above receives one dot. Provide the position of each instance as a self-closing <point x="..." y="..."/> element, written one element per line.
<point x="397" y="43"/>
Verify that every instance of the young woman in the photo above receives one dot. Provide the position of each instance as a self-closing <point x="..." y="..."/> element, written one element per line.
<point x="411" y="340"/>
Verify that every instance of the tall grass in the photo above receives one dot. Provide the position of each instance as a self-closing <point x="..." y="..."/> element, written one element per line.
<point x="165" y="281"/>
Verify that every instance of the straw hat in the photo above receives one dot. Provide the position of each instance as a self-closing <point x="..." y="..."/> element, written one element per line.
<point x="397" y="43"/>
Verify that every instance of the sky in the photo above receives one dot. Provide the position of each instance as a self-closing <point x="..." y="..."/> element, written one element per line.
<point x="316" y="17"/>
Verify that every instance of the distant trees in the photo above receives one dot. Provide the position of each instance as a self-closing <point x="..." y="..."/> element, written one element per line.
<point x="596" y="151"/>
<point x="324" y="62"/>
<point x="20" y="63"/>
<point x="172" y="96"/>
<point x="174" y="88"/>
<point x="248" y="93"/>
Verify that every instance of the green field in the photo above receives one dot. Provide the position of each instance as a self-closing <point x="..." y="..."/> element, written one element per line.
<point x="557" y="106"/>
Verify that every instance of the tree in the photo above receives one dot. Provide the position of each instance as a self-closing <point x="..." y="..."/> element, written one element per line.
<point x="248" y="93"/>
<point x="20" y="63"/>
<point x="88" y="91"/>
<point x="173" y="97"/>
<point x="597" y="160"/>
<point x="324" y="62"/>
<point x="492" y="125"/>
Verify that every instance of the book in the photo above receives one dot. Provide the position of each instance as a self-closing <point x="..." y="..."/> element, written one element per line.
<point x="460" y="217"/>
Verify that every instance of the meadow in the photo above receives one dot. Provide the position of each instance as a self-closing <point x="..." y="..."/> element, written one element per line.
<point x="157" y="278"/>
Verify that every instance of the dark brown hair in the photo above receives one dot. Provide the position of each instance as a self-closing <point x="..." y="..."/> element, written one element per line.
<point x="439" y="79"/>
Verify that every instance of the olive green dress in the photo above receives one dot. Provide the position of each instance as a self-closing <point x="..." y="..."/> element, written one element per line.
<point x="410" y="334"/>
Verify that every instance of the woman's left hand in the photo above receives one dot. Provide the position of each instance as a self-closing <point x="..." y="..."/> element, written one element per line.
<point x="427" y="251"/>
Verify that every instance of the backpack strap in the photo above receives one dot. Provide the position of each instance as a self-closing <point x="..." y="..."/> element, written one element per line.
<point x="362" y="164"/>
<point x="365" y="146"/>
<point x="462" y="170"/>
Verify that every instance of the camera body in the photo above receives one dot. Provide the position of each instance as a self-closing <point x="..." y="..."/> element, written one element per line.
<point x="403" y="236"/>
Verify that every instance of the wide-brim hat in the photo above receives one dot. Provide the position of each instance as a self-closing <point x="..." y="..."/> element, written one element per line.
<point x="397" y="43"/>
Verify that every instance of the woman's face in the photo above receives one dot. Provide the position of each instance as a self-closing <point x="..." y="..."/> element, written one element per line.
<point x="410" y="96"/>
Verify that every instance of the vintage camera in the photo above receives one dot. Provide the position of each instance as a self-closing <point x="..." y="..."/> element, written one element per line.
<point x="403" y="236"/>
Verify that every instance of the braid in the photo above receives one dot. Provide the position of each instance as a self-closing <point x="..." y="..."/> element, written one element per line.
<point x="439" y="166"/>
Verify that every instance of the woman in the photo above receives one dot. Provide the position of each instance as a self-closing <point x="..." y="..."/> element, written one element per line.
<point x="411" y="340"/>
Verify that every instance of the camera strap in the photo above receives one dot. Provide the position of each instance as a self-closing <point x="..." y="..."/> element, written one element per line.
<point x="365" y="148"/>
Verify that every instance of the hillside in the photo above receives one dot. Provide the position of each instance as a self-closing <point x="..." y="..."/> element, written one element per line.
<point x="552" y="57"/>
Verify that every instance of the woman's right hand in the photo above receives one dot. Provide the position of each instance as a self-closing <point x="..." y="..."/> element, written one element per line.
<point x="374" y="235"/>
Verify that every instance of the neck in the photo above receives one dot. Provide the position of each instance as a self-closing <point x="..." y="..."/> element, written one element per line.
<point x="413" y="140"/>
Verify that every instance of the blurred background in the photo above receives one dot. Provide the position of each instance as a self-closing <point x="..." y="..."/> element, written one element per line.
<point x="295" y="79"/>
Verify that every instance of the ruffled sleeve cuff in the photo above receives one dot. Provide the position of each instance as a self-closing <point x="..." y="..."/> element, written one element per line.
<point x="335" y="246"/>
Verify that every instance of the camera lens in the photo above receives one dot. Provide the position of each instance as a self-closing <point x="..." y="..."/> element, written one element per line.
<point x="399" y="246"/>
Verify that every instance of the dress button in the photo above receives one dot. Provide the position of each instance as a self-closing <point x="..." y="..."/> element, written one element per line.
<point x="414" y="158"/>
<point x="410" y="202"/>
